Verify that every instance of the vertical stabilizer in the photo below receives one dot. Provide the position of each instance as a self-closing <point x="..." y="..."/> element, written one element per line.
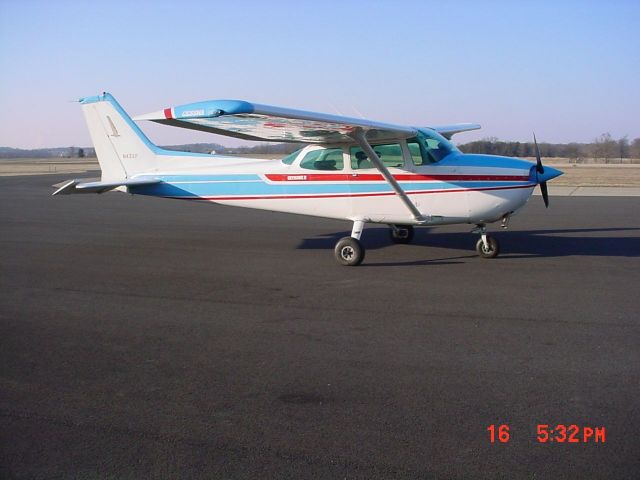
<point x="121" y="147"/>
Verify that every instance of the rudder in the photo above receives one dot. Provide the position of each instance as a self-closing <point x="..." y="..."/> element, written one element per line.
<point x="121" y="147"/>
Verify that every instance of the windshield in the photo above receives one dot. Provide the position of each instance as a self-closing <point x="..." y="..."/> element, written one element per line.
<point x="289" y="159"/>
<point x="433" y="146"/>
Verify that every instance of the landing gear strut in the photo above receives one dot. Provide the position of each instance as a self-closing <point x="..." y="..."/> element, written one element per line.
<point x="349" y="251"/>
<point x="487" y="247"/>
<point x="401" y="233"/>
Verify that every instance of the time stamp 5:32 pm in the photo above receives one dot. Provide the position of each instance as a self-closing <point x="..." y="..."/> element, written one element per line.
<point x="549" y="433"/>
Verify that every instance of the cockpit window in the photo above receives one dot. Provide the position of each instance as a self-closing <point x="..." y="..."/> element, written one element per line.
<point x="429" y="147"/>
<point x="390" y="154"/>
<point x="289" y="159"/>
<point x="323" y="159"/>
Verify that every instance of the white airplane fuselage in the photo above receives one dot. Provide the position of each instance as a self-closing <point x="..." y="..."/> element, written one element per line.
<point x="461" y="188"/>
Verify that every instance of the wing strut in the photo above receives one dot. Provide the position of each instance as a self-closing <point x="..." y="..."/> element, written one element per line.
<point x="359" y="136"/>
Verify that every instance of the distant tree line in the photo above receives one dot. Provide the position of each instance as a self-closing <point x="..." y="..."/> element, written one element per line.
<point x="605" y="147"/>
<point x="261" y="148"/>
<point x="266" y="148"/>
<point x="62" y="152"/>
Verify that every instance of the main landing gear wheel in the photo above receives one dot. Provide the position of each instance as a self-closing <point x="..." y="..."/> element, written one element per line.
<point x="349" y="251"/>
<point x="401" y="233"/>
<point x="488" y="251"/>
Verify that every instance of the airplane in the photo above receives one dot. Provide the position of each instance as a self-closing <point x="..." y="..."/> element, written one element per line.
<point x="351" y="169"/>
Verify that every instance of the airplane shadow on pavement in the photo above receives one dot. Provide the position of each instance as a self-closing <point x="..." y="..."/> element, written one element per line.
<point x="607" y="242"/>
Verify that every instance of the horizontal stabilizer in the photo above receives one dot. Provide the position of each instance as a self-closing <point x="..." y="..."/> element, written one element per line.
<point x="80" y="186"/>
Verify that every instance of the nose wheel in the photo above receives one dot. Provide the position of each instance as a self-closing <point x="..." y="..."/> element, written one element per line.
<point x="487" y="247"/>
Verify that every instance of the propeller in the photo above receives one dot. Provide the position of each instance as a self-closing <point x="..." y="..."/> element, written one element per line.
<point x="540" y="170"/>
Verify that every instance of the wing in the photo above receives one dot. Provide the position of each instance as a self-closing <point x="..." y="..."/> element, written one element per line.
<point x="450" y="130"/>
<point x="252" y="121"/>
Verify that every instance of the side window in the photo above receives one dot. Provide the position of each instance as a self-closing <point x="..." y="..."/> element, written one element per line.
<point x="422" y="150"/>
<point x="416" y="156"/>
<point x="323" y="159"/>
<point x="391" y="156"/>
<point x="425" y="150"/>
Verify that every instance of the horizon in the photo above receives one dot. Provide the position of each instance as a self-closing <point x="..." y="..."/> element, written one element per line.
<point x="249" y="144"/>
<point x="565" y="71"/>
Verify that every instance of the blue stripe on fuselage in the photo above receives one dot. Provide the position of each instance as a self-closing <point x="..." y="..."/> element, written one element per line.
<point x="253" y="185"/>
<point x="485" y="161"/>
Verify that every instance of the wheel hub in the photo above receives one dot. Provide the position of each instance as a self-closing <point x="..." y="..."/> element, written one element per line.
<point x="347" y="253"/>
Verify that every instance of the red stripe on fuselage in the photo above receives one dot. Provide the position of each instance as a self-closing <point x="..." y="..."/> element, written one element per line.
<point x="167" y="113"/>
<point x="373" y="177"/>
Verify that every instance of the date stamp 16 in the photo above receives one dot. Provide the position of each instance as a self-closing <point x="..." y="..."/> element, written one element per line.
<point x="550" y="433"/>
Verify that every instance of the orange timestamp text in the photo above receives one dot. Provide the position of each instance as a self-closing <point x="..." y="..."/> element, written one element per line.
<point x="552" y="433"/>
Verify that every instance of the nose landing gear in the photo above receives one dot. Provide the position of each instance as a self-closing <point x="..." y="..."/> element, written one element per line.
<point x="487" y="246"/>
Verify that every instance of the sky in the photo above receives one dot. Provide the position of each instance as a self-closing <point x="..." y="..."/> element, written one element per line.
<point x="568" y="70"/>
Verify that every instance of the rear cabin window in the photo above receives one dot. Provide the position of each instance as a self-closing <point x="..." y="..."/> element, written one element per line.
<point x="324" y="159"/>
<point x="390" y="154"/>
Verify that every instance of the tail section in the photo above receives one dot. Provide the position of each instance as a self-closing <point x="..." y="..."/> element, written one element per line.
<point x="121" y="147"/>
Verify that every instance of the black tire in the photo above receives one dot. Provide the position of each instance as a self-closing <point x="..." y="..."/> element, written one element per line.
<point x="349" y="252"/>
<point x="492" y="251"/>
<point x="404" y="234"/>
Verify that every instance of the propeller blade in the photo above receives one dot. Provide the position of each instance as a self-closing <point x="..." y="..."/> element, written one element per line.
<point x="545" y="193"/>
<point x="539" y="167"/>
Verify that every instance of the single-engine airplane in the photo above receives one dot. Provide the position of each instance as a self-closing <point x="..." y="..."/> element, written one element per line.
<point x="352" y="169"/>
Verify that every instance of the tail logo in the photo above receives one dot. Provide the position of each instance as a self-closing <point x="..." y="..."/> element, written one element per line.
<point x="113" y="127"/>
